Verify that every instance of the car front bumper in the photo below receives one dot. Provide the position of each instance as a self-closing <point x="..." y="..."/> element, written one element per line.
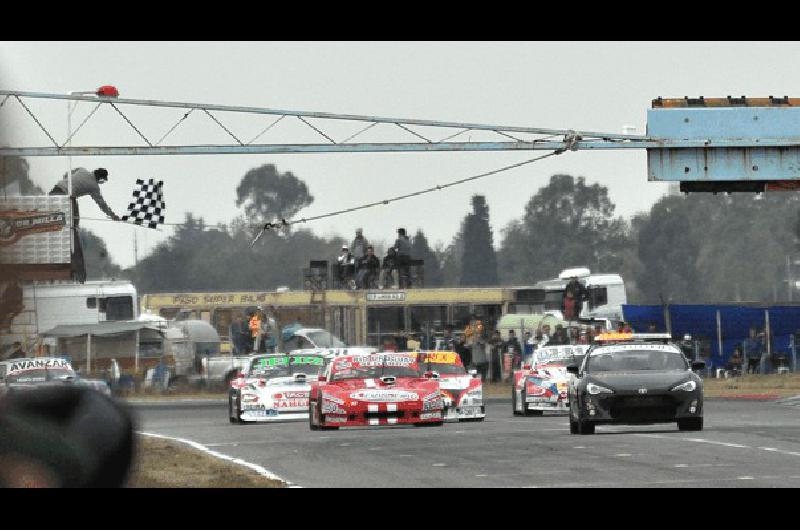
<point x="662" y="407"/>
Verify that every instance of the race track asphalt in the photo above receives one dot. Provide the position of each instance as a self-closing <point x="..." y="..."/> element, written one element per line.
<point x="744" y="443"/>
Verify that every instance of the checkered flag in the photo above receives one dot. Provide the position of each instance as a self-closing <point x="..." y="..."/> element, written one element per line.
<point x="148" y="205"/>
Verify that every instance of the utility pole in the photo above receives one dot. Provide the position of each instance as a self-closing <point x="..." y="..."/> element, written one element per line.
<point x="135" y="251"/>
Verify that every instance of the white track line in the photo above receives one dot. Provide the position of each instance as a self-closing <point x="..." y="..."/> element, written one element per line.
<point x="238" y="461"/>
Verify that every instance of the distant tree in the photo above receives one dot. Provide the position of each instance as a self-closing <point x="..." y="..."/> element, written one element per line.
<point x="14" y="174"/>
<point x="270" y="195"/>
<point x="668" y="248"/>
<point x="421" y="250"/>
<point x="703" y="248"/>
<point x="450" y="259"/>
<point x="478" y="261"/>
<point x="99" y="265"/>
<point x="566" y="223"/>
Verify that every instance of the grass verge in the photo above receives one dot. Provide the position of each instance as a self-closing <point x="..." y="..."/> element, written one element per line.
<point x="167" y="464"/>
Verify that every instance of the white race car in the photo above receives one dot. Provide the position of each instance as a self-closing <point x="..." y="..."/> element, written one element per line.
<point x="274" y="388"/>
<point x="542" y="385"/>
<point x="37" y="372"/>
<point x="462" y="391"/>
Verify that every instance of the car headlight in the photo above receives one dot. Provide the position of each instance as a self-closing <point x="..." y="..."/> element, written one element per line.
<point x="688" y="386"/>
<point x="594" y="389"/>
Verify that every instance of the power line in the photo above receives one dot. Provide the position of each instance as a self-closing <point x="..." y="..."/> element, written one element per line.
<point x="438" y="187"/>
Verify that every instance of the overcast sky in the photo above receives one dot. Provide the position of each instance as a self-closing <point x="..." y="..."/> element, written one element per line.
<point x="589" y="86"/>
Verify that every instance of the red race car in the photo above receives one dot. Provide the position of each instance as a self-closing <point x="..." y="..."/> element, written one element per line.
<point x="375" y="389"/>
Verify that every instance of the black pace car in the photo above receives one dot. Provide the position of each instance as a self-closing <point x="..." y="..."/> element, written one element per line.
<point x="635" y="383"/>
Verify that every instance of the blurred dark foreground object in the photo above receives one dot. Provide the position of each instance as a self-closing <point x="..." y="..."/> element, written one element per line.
<point x="67" y="437"/>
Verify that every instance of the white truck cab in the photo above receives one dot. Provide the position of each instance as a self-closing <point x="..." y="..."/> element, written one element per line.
<point x="606" y="294"/>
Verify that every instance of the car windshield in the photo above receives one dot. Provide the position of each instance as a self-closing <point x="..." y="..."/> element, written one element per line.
<point x="445" y="368"/>
<point x="39" y="376"/>
<point x="375" y="366"/>
<point x="323" y="339"/>
<point x="271" y="367"/>
<point x="635" y="360"/>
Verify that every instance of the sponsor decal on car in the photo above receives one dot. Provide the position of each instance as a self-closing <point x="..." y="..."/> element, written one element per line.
<point x="384" y="395"/>
<point x="332" y="408"/>
<point x="334" y="419"/>
<point x="290" y="403"/>
<point x="329" y="397"/>
<point x="35" y="364"/>
<point x="430" y="415"/>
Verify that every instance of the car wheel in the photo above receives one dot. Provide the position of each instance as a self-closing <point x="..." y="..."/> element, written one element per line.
<point x="525" y="410"/>
<point x="690" y="424"/>
<point x="573" y="426"/>
<point x="585" y="427"/>
<point x="514" y="401"/>
<point x="234" y="415"/>
<point x="311" y="424"/>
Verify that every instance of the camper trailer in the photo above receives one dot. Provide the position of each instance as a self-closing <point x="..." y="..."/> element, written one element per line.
<point x="47" y="305"/>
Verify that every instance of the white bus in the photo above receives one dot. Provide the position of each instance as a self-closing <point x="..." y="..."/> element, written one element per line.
<point x="47" y="305"/>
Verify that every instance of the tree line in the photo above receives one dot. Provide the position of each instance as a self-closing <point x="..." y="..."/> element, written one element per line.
<point x="685" y="249"/>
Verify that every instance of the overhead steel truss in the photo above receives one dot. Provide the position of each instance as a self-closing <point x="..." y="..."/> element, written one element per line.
<point x="508" y="136"/>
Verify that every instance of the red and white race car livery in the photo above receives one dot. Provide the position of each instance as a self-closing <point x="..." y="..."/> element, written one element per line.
<point x="462" y="391"/>
<point x="542" y="385"/>
<point x="376" y="389"/>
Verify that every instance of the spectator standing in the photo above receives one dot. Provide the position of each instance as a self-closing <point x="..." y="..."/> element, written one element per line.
<point x="449" y="341"/>
<point x="753" y="350"/>
<point x="514" y="348"/>
<point x="359" y="245"/>
<point x="235" y="333"/>
<point x="479" y="357"/>
<point x="576" y="292"/>
<point x="496" y="349"/>
<point x="255" y="329"/>
<point x="463" y="351"/>
<point x="413" y="343"/>
<point x="403" y="247"/>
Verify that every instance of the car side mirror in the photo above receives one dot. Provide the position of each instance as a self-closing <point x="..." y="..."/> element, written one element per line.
<point x="322" y="378"/>
<point x="698" y="365"/>
<point x="473" y="373"/>
<point x="431" y="375"/>
<point x="526" y="366"/>
<point x="573" y="369"/>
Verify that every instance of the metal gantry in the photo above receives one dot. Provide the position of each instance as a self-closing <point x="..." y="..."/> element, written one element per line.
<point x="508" y="137"/>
